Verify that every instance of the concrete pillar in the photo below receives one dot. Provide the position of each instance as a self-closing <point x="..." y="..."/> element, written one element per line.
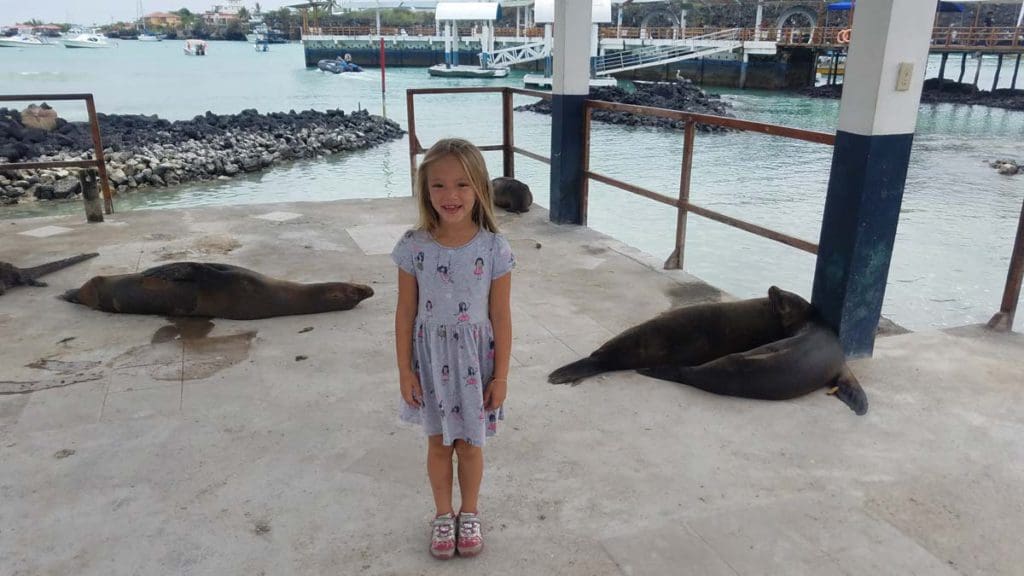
<point x="91" y="195"/>
<point x="595" y="44"/>
<point x="877" y="118"/>
<point x="757" y="19"/>
<point x="570" y="87"/>
<point x="682" y="24"/>
<point x="549" y="42"/>
<point x="448" y="44"/>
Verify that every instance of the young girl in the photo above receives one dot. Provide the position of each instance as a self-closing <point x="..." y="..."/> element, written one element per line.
<point x="453" y="331"/>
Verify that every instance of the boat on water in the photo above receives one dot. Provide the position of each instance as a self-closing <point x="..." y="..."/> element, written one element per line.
<point x="195" y="47"/>
<point x="23" y="41"/>
<point x="457" y="71"/>
<point x="147" y="37"/>
<point x="88" y="41"/>
<point x="339" y="65"/>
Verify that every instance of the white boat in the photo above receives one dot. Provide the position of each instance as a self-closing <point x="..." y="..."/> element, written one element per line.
<point x="87" y="41"/>
<point x="147" y="37"/>
<point x="23" y="41"/>
<point x="195" y="47"/>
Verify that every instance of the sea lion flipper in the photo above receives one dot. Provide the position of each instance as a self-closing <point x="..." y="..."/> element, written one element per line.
<point x="848" y="390"/>
<point x="576" y="371"/>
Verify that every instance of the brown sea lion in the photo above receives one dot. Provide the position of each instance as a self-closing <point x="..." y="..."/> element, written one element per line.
<point x="11" y="275"/>
<point x="213" y="290"/>
<point x="693" y="335"/>
<point x="810" y="359"/>
<point x="511" y="194"/>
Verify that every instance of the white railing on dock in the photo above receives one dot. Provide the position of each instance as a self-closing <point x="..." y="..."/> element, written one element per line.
<point x="696" y="47"/>
<point x="517" y="54"/>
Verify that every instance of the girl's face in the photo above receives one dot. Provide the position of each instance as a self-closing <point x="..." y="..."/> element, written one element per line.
<point x="451" y="192"/>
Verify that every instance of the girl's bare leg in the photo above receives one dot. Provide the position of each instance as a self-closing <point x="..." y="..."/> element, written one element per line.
<point x="471" y="474"/>
<point x="439" y="469"/>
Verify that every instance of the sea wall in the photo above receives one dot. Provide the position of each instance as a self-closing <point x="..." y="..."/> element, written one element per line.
<point x="146" y="151"/>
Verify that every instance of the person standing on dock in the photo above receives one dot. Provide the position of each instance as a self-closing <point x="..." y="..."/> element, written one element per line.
<point x="453" y="332"/>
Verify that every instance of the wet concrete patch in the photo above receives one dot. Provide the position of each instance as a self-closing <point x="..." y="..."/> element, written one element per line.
<point x="184" y="350"/>
<point x="205" y="357"/>
<point x="693" y="293"/>
<point x="205" y="246"/>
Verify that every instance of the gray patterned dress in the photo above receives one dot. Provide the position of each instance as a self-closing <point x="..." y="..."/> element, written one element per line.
<point x="453" y="341"/>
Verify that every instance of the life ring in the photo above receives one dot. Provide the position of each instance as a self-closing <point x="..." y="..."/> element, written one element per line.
<point x="843" y="36"/>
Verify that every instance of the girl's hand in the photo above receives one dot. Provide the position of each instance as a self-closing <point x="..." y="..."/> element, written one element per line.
<point x="495" y="394"/>
<point x="411" y="391"/>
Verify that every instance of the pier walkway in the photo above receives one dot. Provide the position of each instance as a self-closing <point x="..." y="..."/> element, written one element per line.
<point x="271" y="446"/>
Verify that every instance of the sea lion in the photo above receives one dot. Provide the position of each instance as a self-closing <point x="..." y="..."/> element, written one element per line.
<point x="213" y="290"/>
<point x="511" y="194"/>
<point x="810" y="359"/>
<point x="11" y="275"/>
<point x="693" y="335"/>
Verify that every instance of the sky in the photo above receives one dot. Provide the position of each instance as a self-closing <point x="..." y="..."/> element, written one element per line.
<point x="107" y="11"/>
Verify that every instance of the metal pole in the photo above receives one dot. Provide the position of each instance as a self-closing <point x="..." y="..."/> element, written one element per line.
<point x="999" y="66"/>
<point x="97" y="142"/>
<point x="675" y="261"/>
<point x="413" y="142"/>
<point x="1003" y="320"/>
<point x="383" y="66"/>
<point x="508" y="136"/>
<point x="1016" y="67"/>
<point x="963" y="67"/>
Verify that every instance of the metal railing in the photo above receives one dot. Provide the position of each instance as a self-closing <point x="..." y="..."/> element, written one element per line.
<point x="1003" y="320"/>
<point x="659" y="54"/>
<point x="683" y="204"/>
<point x="986" y="38"/>
<point x="507" y="146"/>
<point x="98" y="162"/>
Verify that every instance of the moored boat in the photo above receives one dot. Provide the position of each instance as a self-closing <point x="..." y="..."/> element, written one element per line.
<point x="87" y="41"/>
<point x="23" y="41"/>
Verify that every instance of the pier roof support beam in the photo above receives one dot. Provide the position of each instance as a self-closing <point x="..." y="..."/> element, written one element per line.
<point x="877" y="118"/>
<point x="570" y="87"/>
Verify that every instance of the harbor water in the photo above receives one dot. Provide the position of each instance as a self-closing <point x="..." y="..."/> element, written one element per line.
<point x="953" y="243"/>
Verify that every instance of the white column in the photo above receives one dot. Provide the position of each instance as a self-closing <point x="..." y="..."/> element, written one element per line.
<point x="571" y="47"/>
<point x="757" y="19"/>
<point x="886" y="36"/>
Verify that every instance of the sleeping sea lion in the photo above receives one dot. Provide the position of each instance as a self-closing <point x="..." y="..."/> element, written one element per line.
<point x="810" y="359"/>
<point x="693" y="335"/>
<point x="213" y="290"/>
<point x="511" y="194"/>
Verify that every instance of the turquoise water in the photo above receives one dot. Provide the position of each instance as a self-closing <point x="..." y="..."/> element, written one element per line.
<point x="953" y="243"/>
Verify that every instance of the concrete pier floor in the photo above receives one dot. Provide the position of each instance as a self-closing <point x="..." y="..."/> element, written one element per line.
<point x="130" y="445"/>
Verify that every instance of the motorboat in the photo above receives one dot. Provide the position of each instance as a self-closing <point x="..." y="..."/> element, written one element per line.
<point x="147" y="37"/>
<point x="23" y="41"/>
<point x="338" y="65"/>
<point x="195" y="47"/>
<point x="88" y="41"/>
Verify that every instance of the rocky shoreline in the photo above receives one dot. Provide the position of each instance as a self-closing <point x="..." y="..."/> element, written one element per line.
<point x="146" y="151"/>
<point x="952" y="92"/>
<point x="680" y="95"/>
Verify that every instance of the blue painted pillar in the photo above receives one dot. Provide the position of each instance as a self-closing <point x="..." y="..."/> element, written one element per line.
<point x="570" y="87"/>
<point x="877" y="117"/>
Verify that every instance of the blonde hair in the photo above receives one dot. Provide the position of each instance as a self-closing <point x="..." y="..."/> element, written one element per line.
<point x="476" y="169"/>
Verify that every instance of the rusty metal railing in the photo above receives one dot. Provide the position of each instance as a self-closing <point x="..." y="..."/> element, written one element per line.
<point x="507" y="146"/>
<point x="682" y="203"/>
<point x="97" y="162"/>
<point x="1003" y="320"/>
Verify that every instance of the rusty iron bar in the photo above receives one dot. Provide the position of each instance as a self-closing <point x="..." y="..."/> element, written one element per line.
<point x="508" y="155"/>
<point x="709" y="214"/>
<point x="99" y="162"/>
<point x="1003" y="320"/>
<point x="745" y="125"/>
<point x="414" y="143"/>
<point x="101" y="165"/>
<point x="585" y="183"/>
<point x="532" y="155"/>
<point x="676" y="259"/>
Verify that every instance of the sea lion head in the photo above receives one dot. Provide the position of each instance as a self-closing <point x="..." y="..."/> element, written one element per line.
<point x="86" y="295"/>
<point x="792" y="309"/>
<point x="343" y="295"/>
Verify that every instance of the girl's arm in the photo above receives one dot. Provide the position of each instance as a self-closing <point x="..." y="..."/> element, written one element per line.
<point x="501" y="321"/>
<point x="405" y="315"/>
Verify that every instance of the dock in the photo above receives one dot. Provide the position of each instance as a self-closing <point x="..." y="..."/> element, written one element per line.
<point x="273" y="446"/>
